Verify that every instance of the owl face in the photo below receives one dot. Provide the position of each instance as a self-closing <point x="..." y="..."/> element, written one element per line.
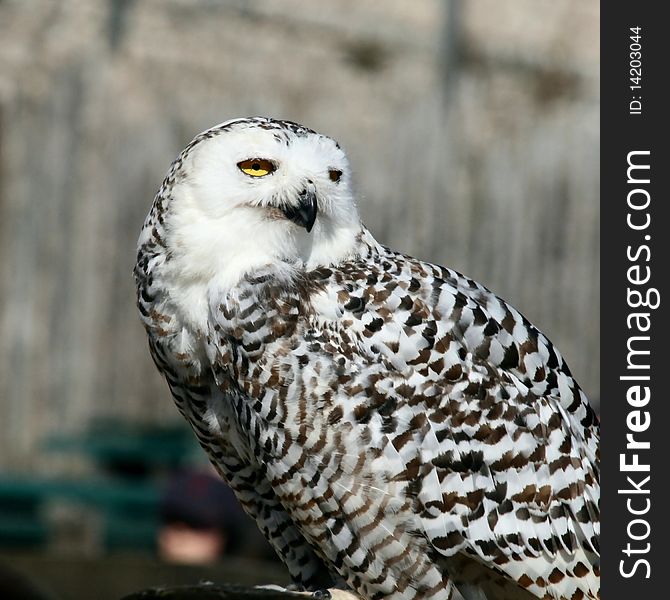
<point x="254" y="191"/>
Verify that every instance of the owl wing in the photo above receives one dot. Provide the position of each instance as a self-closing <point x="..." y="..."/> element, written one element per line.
<point x="402" y="390"/>
<point x="500" y="444"/>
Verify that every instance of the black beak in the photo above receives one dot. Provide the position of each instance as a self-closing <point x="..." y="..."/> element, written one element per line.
<point x="305" y="213"/>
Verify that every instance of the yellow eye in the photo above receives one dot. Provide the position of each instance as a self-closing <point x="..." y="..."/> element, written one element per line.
<point x="256" y="167"/>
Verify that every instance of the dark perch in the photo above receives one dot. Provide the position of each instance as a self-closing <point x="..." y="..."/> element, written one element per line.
<point x="211" y="591"/>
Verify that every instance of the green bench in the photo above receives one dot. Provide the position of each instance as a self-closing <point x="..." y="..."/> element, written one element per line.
<point x="132" y="461"/>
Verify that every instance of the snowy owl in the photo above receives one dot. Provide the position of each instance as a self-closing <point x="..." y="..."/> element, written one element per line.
<point x="387" y="421"/>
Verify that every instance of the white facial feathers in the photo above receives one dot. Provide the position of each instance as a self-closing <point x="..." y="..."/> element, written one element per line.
<point x="223" y="222"/>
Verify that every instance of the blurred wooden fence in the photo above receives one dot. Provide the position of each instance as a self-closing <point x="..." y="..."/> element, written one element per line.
<point x="479" y="151"/>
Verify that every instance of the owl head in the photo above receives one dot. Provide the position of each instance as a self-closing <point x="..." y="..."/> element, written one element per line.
<point x="255" y="192"/>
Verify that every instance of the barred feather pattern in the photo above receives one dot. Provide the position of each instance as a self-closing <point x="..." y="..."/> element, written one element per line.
<point x="390" y="420"/>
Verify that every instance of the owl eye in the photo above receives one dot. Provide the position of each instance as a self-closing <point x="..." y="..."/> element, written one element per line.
<point x="257" y="167"/>
<point x="334" y="175"/>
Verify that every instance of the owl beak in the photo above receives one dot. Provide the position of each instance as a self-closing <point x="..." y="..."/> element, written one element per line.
<point x="304" y="214"/>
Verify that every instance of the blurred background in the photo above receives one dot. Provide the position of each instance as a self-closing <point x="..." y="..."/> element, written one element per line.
<point x="472" y="127"/>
